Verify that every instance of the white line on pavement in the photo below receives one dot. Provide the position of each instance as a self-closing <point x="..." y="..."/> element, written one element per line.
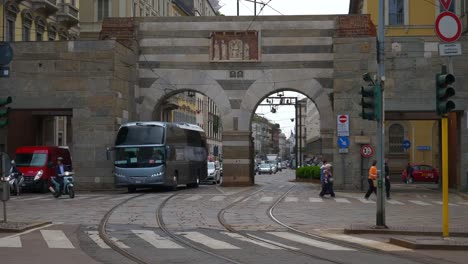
<point x="249" y="240"/>
<point x="218" y="198"/>
<point x="94" y="235"/>
<point x="342" y="200"/>
<point x="439" y="202"/>
<point x="103" y="197"/>
<point x="315" y="200"/>
<point x="238" y="199"/>
<point x="419" y="202"/>
<point x="367" y="242"/>
<point x="207" y="241"/>
<point x="30" y="230"/>
<point x="121" y="198"/>
<point x="31" y="199"/>
<point x="56" y="239"/>
<point x="394" y="202"/>
<point x="266" y="199"/>
<point x="194" y="198"/>
<point x="273" y="242"/>
<point x="156" y="240"/>
<point x="309" y="241"/>
<point x="118" y="243"/>
<point x="291" y="199"/>
<point x="10" y="242"/>
<point x="363" y="200"/>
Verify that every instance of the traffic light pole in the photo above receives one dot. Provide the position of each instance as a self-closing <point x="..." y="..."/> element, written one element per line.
<point x="445" y="198"/>
<point x="380" y="216"/>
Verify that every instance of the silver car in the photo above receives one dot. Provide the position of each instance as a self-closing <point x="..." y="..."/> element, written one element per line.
<point x="265" y="168"/>
<point x="213" y="173"/>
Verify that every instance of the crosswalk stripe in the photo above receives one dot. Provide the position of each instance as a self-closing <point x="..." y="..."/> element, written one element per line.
<point x="291" y="199"/>
<point x="31" y="199"/>
<point x="102" y="198"/>
<point x="156" y="240"/>
<point x="363" y="200"/>
<point x="342" y="200"/>
<point x="217" y="198"/>
<point x="120" y="198"/>
<point x="56" y="239"/>
<point x="238" y="199"/>
<point x="450" y="204"/>
<point x="94" y="235"/>
<point x="419" y="202"/>
<point x="463" y="203"/>
<point x="394" y="202"/>
<point x="273" y="242"/>
<point x="194" y="198"/>
<point x="367" y="242"/>
<point x="249" y="240"/>
<point x="10" y="242"/>
<point x="266" y="199"/>
<point x="78" y="198"/>
<point x="309" y="241"/>
<point x="315" y="200"/>
<point x="207" y="241"/>
<point x="119" y="243"/>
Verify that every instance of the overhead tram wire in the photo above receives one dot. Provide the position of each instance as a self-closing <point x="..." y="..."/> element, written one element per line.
<point x="255" y="17"/>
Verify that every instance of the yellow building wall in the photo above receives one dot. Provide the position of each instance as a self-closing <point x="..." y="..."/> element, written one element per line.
<point x="424" y="133"/>
<point x="422" y="15"/>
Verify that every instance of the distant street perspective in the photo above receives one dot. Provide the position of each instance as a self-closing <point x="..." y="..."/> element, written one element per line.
<point x="233" y="131"/>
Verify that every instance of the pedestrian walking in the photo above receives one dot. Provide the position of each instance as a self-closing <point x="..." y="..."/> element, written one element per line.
<point x="371" y="179"/>
<point x="409" y="173"/>
<point x="329" y="179"/>
<point x="387" y="180"/>
<point x="324" y="190"/>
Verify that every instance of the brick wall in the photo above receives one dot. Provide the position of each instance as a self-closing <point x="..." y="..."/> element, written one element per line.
<point x="355" y="26"/>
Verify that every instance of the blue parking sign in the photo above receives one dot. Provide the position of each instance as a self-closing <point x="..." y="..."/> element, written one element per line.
<point x="343" y="142"/>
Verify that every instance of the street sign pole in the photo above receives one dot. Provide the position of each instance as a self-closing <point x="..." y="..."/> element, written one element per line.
<point x="380" y="217"/>
<point x="445" y="211"/>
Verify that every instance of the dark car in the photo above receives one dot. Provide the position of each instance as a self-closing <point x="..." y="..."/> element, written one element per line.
<point x="421" y="173"/>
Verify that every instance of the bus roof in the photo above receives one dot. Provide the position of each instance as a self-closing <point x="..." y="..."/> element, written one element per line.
<point x="165" y="124"/>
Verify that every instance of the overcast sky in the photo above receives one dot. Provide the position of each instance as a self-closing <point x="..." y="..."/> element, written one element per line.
<point x="286" y="7"/>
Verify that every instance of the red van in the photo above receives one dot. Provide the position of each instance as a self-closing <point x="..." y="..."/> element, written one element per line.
<point x="32" y="159"/>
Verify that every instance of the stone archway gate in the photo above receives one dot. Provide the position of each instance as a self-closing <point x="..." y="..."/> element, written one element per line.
<point x="238" y="61"/>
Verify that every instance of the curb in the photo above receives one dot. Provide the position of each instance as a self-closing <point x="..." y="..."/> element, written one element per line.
<point x="433" y="246"/>
<point x="406" y="232"/>
<point x="23" y="228"/>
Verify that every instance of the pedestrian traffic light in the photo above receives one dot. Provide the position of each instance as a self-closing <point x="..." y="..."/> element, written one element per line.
<point x="370" y="102"/>
<point x="443" y="92"/>
<point x="4" y="111"/>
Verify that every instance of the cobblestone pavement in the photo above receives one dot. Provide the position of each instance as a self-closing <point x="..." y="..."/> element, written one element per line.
<point x="192" y="213"/>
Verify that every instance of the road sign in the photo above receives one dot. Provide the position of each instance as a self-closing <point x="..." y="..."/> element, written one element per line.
<point x="406" y="144"/>
<point x="343" y="150"/>
<point x="445" y="3"/>
<point x="424" y="148"/>
<point x="450" y="49"/>
<point x="448" y="27"/>
<point x="343" y="142"/>
<point x="367" y="151"/>
<point x="342" y="125"/>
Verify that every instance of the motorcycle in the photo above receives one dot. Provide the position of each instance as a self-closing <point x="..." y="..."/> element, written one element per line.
<point x="16" y="180"/>
<point x="68" y="187"/>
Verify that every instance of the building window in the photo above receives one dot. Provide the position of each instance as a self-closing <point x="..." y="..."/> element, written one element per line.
<point x="26" y="32"/>
<point x="102" y="9"/>
<point x="27" y="24"/>
<point x="10" y="30"/>
<point x="396" y="12"/>
<point x="396" y="137"/>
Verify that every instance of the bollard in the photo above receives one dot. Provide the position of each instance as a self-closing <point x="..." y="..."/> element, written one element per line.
<point x="5" y="196"/>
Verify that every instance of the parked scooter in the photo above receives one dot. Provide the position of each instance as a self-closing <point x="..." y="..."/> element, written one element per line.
<point x="15" y="179"/>
<point x="68" y="187"/>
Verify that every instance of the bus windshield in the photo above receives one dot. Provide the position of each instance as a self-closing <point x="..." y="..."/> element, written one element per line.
<point x="139" y="157"/>
<point x="140" y="135"/>
<point x="31" y="159"/>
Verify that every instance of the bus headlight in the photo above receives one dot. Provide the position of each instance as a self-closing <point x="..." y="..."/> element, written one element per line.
<point x="157" y="174"/>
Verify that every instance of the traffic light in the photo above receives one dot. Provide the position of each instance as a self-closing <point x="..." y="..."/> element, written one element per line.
<point x="4" y="111"/>
<point x="443" y="92"/>
<point x="370" y="102"/>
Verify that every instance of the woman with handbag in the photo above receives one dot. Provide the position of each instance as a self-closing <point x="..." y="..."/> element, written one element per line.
<point x="372" y="180"/>
<point x="329" y="179"/>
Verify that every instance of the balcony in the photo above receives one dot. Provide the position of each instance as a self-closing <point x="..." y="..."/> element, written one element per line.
<point x="67" y="15"/>
<point x="46" y="7"/>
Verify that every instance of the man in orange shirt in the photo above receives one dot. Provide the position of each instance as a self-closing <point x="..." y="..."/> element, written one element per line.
<point x="371" y="178"/>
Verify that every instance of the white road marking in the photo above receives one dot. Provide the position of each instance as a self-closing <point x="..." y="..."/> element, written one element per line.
<point x="30" y="230"/>
<point x="419" y="202"/>
<point x="10" y="242"/>
<point x="31" y="199"/>
<point x="394" y="202"/>
<point x="309" y="241"/>
<point x="118" y="242"/>
<point x="249" y="240"/>
<point x="291" y="199"/>
<point x="463" y="203"/>
<point x="194" y="198"/>
<point x="94" y="235"/>
<point x="121" y="198"/>
<point x="103" y="197"/>
<point x="266" y="199"/>
<point x="218" y="198"/>
<point x="56" y="239"/>
<point x="156" y="240"/>
<point x="238" y="199"/>
<point x="363" y="200"/>
<point x="273" y="242"/>
<point x="439" y="202"/>
<point x="207" y="241"/>
<point x="367" y="242"/>
<point x="342" y="200"/>
<point x="315" y="200"/>
<point x="78" y="198"/>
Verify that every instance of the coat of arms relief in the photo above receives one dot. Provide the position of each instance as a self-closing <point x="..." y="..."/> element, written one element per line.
<point x="234" y="46"/>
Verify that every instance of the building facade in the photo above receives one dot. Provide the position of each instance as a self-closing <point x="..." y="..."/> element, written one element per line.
<point x="313" y="130"/>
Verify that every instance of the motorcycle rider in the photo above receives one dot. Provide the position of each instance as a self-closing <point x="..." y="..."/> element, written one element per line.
<point x="60" y="174"/>
<point x="13" y="168"/>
